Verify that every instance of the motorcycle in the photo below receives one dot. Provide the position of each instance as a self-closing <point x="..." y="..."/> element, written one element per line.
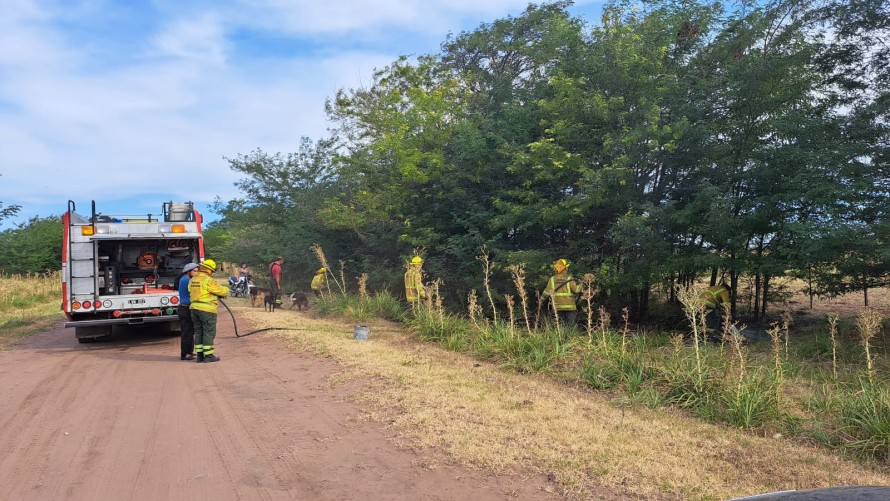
<point x="239" y="286"/>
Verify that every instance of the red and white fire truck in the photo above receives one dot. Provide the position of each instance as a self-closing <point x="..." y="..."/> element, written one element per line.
<point x="122" y="269"/>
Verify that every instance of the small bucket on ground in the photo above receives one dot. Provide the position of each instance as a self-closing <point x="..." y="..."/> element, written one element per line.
<point x="361" y="332"/>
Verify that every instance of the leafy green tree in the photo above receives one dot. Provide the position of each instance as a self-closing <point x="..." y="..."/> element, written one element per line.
<point x="32" y="247"/>
<point x="670" y="142"/>
<point x="280" y="212"/>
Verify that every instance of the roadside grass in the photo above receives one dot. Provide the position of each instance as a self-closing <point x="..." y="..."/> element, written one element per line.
<point x="481" y="411"/>
<point x="28" y="304"/>
<point x="775" y="388"/>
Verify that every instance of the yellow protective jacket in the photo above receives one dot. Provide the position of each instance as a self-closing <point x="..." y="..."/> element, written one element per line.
<point x="414" y="284"/>
<point x="563" y="289"/>
<point x="205" y="292"/>
<point x="715" y="295"/>
<point x="319" y="282"/>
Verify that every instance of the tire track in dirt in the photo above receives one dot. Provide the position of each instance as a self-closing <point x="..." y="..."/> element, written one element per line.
<point x="34" y="431"/>
<point x="246" y="440"/>
<point x="261" y="427"/>
<point x="263" y="423"/>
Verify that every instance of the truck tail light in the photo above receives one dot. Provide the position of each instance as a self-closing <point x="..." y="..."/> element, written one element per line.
<point x="174" y="300"/>
<point x="86" y="230"/>
<point x="75" y="305"/>
<point x="87" y="305"/>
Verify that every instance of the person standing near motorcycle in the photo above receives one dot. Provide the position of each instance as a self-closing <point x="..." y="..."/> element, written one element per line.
<point x="275" y="279"/>
<point x="244" y="272"/>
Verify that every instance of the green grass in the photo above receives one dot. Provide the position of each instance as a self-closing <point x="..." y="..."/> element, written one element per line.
<point x="866" y="419"/>
<point x="803" y="400"/>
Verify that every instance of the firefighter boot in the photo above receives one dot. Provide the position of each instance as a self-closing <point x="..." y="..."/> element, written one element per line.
<point x="211" y="358"/>
<point x="200" y="359"/>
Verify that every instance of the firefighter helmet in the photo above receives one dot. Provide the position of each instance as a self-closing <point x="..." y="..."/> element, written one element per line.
<point x="209" y="264"/>
<point x="417" y="260"/>
<point x="320" y="270"/>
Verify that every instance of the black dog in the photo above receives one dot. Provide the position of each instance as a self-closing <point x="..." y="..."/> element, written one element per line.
<point x="269" y="302"/>
<point x="299" y="300"/>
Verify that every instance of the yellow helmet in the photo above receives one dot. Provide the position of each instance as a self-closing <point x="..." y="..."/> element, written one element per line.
<point x="209" y="264"/>
<point x="416" y="260"/>
<point x="560" y="265"/>
<point x="320" y="270"/>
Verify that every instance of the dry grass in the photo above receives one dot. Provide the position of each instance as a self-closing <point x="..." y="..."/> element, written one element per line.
<point x="496" y="420"/>
<point x="28" y="304"/>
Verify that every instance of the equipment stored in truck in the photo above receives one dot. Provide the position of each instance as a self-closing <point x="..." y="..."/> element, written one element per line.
<point x="122" y="269"/>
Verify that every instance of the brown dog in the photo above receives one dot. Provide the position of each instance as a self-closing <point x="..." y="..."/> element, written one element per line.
<point x="299" y="300"/>
<point x="258" y="296"/>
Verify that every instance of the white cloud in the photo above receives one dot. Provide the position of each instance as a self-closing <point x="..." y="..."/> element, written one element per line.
<point x="137" y="102"/>
<point x="200" y="40"/>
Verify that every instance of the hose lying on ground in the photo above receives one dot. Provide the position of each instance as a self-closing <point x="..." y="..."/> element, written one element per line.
<point x="235" y="324"/>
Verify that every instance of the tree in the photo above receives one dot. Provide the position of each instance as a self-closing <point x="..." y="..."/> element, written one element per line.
<point x="32" y="247"/>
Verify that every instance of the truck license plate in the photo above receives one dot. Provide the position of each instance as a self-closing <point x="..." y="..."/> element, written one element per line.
<point x="136" y="301"/>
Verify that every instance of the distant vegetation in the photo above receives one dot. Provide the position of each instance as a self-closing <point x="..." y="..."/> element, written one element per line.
<point x="665" y="144"/>
<point x="32" y="247"/>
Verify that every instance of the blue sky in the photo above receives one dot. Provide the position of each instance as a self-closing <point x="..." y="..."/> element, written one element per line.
<point x="133" y="103"/>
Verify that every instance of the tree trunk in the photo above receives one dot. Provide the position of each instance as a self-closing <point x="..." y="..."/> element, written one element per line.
<point x="765" y="291"/>
<point x="757" y="296"/>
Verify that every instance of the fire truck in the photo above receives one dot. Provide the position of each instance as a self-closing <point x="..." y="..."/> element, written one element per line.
<point x="122" y="269"/>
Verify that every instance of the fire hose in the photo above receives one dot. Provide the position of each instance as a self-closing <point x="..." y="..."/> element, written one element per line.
<point x="235" y="324"/>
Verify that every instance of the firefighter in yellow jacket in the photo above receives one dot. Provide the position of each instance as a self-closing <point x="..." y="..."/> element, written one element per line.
<point x="562" y="290"/>
<point x="414" y="290"/>
<point x="205" y="292"/>
<point x="319" y="282"/>
<point x="714" y="298"/>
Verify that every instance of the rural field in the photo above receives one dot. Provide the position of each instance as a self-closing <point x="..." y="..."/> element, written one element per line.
<point x="306" y="411"/>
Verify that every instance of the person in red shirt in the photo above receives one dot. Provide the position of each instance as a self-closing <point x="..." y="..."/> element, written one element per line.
<point x="275" y="279"/>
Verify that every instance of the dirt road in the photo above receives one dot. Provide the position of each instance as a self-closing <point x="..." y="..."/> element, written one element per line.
<point x="128" y="420"/>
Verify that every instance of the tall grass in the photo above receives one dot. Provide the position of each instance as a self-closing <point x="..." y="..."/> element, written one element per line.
<point x="749" y="387"/>
<point x="378" y="305"/>
<point x="866" y="419"/>
<point x="28" y="304"/>
<point x="868" y="323"/>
